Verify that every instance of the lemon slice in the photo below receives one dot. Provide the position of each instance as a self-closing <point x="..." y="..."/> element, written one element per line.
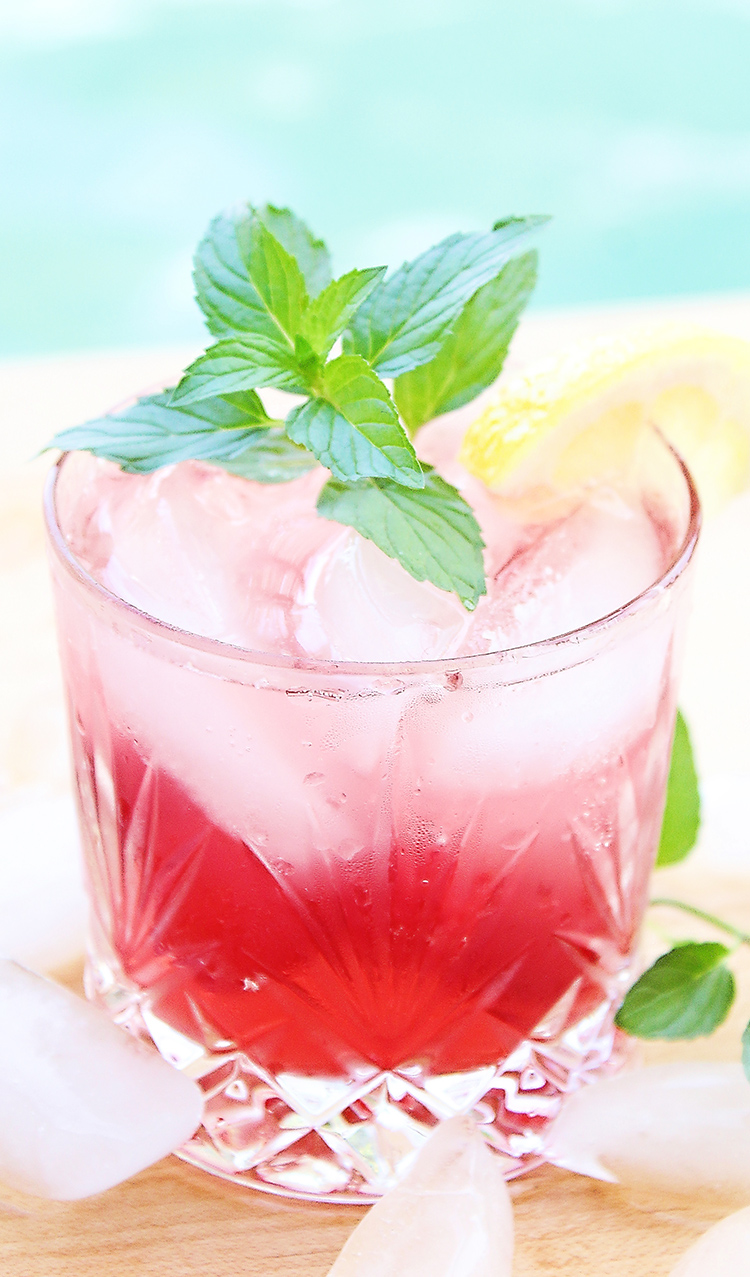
<point x="576" y="417"/>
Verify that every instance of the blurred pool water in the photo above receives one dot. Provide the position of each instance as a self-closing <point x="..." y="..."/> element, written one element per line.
<point x="125" y="124"/>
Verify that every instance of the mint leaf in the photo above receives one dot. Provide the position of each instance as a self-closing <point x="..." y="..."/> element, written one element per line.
<point x="432" y="532"/>
<point x="240" y="364"/>
<point x="682" y="812"/>
<point x="405" y="319"/>
<point x="746" y="1051"/>
<point x="246" y="281"/>
<point x="473" y="353"/>
<point x="270" y="457"/>
<point x="307" y="361"/>
<point x="235" y="433"/>
<point x="687" y="993"/>
<point x="310" y="254"/>
<point x="354" y="430"/>
<point x="275" y="274"/>
<point x="330" y="312"/>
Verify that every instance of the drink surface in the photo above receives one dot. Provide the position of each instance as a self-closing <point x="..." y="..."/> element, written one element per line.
<point x="413" y="893"/>
<point x="254" y="565"/>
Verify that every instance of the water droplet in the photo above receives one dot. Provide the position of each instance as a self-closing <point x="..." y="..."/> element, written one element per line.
<point x="283" y="867"/>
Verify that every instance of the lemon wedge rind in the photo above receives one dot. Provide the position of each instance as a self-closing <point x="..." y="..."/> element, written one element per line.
<point x="575" y="416"/>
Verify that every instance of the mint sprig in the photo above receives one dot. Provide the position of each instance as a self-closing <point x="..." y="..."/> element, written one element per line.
<point x="353" y="427"/>
<point x="406" y="319"/>
<point x="242" y="363"/>
<point x="329" y="313"/>
<point x="235" y="433"/>
<point x="474" y="351"/>
<point x="440" y="325"/>
<point x="689" y="990"/>
<point x="432" y="532"/>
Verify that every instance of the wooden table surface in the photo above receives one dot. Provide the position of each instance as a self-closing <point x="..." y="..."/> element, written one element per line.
<point x="175" y="1221"/>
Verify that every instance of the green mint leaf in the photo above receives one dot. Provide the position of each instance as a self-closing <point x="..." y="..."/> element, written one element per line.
<point x="406" y="318"/>
<point x="310" y="254"/>
<point x="503" y="222"/>
<point x="746" y="1051"/>
<point x="240" y="364"/>
<point x="682" y="813"/>
<point x="474" y="351"/>
<point x="687" y="993"/>
<point x="327" y="316"/>
<point x="354" y="430"/>
<point x="270" y="457"/>
<point x="246" y="281"/>
<point x="235" y="433"/>
<point x="432" y="532"/>
<point x="307" y="361"/>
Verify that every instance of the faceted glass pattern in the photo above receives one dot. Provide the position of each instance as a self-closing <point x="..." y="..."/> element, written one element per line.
<point x="355" y="900"/>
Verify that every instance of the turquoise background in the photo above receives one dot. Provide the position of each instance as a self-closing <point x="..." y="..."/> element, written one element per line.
<point x="125" y="124"/>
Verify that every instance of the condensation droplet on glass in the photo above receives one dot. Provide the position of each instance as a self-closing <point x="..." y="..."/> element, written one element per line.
<point x="314" y="778"/>
<point x="468" y="717"/>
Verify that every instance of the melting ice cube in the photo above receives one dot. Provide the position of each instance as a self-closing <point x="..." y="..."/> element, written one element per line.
<point x="681" y="1127"/>
<point x="724" y="1251"/>
<point x="450" y="1217"/>
<point x="82" y="1104"/>
<point x="359" y="604"/>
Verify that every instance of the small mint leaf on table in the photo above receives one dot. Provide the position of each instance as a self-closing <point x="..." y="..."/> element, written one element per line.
<point x="472" y="355"/>
<point x="682" y="812"/>
<point x="406" y="318"/>
<point x="240" y="364"/>
<point x="246" y="281"/>
<point x="432" y="532"/>
<point x="310" y="253"/>
<point x="235" y="433"/>
<point x="353" y="427"/>
<point x="687" y="993"/>
<point x="329" y="313"/>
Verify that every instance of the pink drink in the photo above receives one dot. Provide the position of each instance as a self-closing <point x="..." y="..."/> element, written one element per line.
<point x="359" y="859"/>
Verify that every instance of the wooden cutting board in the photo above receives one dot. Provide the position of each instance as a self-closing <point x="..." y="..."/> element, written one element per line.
<point x="175" y="1221"/>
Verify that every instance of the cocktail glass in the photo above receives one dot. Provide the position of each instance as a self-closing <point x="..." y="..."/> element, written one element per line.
<point x="356" y="899"/>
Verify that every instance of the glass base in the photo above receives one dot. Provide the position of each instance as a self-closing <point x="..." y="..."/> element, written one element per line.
<point x="350" y="1140"/>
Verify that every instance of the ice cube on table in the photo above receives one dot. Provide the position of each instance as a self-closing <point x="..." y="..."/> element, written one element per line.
<point x="679" y="1127"/>
<point x="450" y="1217"/>
<point x="83" y="1105"/>
<point x="724" y="1251"/>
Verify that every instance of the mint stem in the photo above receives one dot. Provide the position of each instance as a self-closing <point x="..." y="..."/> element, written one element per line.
<point x="706" y="917"/>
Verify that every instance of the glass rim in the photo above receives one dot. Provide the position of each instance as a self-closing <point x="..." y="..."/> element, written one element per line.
<point x="567" y="641"/>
